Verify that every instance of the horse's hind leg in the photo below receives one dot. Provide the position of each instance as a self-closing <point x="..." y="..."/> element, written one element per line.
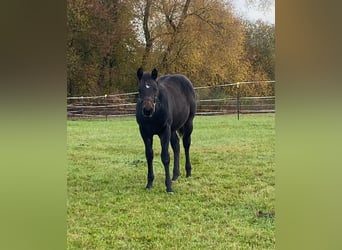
<point x="175" y="147"/>
<point x="186" y="143"/>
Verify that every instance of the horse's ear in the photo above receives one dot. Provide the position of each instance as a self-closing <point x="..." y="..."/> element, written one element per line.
<point x="140" y="73"/>
<point x="154" y="74"/>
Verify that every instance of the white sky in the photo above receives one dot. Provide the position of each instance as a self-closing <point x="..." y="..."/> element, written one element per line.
<point x="252" y="13"/>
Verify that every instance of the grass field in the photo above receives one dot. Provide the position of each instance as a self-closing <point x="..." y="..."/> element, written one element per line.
<point x="227" y="204"/>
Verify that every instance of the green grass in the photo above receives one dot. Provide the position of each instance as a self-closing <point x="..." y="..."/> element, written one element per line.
<point x="233" y="179"/>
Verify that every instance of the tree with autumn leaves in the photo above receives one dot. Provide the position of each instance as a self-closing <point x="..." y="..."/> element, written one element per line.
<point x="202" y="39"/>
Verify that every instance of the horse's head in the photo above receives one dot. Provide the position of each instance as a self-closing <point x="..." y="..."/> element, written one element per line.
<point x="148" y="91"/>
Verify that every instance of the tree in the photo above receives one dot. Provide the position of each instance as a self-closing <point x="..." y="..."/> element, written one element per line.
<point x="199" y="38"/>
<point x="263" y="5"/>
<point x="214" y="53"/>
<point x="101" y="47"/>
<point x="202" y="39"/>
<point x="260" y="47"/>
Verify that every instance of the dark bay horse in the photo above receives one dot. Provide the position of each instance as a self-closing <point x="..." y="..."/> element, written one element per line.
<point x="166" y="105"/>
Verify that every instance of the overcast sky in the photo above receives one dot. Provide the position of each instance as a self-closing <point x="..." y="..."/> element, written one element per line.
<point x="254" y="14"/>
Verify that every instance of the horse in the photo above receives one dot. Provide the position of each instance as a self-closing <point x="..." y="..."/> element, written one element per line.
<point x="165" y="106"/>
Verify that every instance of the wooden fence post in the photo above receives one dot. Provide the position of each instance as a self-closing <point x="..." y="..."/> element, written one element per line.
<point x="238" y="100"/>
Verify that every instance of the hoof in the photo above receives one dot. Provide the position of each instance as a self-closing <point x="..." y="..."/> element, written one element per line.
<point x="170" y="192"/>
<point x="174" y="178"/>
<point x="148" y="186"/>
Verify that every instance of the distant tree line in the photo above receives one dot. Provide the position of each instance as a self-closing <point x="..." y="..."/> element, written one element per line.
<point x="202" y="39"/>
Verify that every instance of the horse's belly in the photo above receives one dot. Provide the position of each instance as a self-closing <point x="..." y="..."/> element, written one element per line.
<point x="179" y="119"/>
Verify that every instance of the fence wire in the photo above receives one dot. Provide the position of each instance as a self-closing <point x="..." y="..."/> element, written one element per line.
<point x="230" y="98"/>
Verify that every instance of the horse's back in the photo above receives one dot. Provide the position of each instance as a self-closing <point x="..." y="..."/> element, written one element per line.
<point x="181" y="98"/>
<point x="178" y="86"/>
<point x="175" y="78"/>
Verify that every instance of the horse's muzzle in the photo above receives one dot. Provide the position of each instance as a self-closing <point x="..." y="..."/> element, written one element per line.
<point x="148" y="108"/>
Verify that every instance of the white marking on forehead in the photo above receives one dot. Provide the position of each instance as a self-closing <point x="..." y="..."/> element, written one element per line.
<point x="147" y="86"/>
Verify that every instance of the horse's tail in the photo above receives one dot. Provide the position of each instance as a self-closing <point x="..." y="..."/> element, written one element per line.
<point x="181" y="132"/>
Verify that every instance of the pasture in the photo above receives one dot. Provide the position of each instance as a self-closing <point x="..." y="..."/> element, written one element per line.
<point x="228" y="203"/>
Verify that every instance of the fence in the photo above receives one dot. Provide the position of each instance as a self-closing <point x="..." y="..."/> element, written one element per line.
<point x="232" y="98"/>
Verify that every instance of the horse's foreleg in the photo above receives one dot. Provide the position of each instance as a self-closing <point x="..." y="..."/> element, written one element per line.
<point x="175" y="147"/>
<point x="165" y="157"/>
<point x="149" y="157"/>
